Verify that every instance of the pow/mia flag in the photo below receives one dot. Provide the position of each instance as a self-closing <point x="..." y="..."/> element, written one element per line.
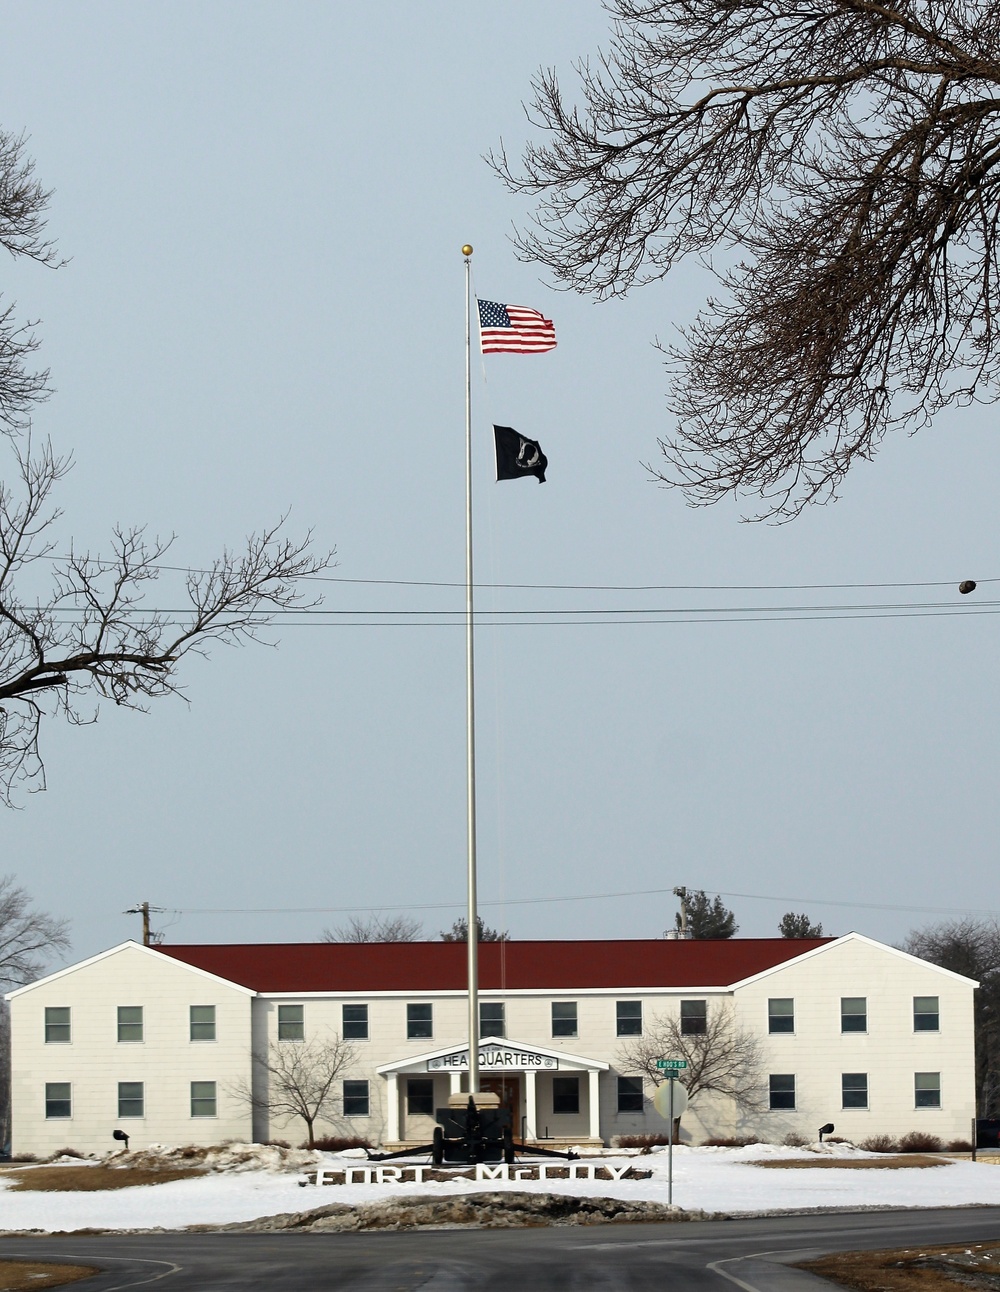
<point x="517" y="456"/>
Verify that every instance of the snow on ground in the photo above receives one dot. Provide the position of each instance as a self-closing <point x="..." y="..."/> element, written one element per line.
<point x="714" y="1180"/>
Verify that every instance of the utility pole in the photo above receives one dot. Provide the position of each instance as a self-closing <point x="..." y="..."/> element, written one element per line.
<point x="681" y="895"/>
<point x="144" y="909"/>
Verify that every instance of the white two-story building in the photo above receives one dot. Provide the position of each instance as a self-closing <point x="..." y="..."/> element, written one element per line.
<point x="160" y="1041"/>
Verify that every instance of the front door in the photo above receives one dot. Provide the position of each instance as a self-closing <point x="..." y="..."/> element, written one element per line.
<point x="509" y="1090"/>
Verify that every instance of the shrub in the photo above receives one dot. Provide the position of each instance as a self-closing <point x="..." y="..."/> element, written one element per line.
<point x="879" y="1144"/>
<point x="958" y="1146"/>
<point x="68" y="1152"/>
<point x="794" y="1140"/>
<point x="277" y="1143"/>
<point x="919" y="1142"/>
<point x="731" y="1141"/>
<point x="645" y="1142"/>
<point x="337" y="1143"/>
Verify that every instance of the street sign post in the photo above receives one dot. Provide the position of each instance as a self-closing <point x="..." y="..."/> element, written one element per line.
<point x="670" y="1101"/>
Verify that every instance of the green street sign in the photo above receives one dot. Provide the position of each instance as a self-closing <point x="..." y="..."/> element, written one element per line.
<point x="671" y="1065"/>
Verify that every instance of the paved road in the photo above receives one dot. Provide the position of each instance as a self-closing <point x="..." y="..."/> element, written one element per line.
<point x="719" y="1255"/>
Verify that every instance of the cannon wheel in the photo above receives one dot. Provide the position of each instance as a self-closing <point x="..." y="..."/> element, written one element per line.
<point x="437" y="1148"/>
<point x="508" y="1146"/>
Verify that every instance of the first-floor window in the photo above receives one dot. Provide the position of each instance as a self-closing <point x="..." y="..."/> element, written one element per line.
<point x="291" y="1023"/>
<point x="565" y="1094"/>
<point x="356" y="1099"/>
<point x="131" y="1099"/>
<point x="854" y="1089"/>
<point x="58" y="1100"/>
<point x="781" y="1090"/>
<point x="420" y="1097"/>
<point x="630" y="1094"/>
<point x="203" y="1101"/>
<point x="927" y="1089"/>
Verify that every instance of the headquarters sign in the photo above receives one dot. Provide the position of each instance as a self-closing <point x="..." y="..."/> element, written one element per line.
<point x="494" y="1058"/>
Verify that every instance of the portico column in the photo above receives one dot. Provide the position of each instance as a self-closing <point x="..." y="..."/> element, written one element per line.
<point x="454" y="1082"/>
<point x="594" y="1099"/>
<point x="529" y="1104"/>
<point x="392" y="1097"/>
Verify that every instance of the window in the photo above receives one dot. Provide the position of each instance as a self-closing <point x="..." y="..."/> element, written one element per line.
<point x="291" y="1023"/>
<point x="853" y="1014"/>
<point x="628" y="1018"/>
<point x="420" y="1096"/>
<point x="355" y="1098"/>
<point x="419" y="1022"/>
<point x="354" y="1026"/>
<point x="57" y="1099"/>
<point x="131" y="1100"/>
<point x="694" y="1017"/>
<point x="781" y="1090"/>
<point x="630" y="1094"/>
<point x="130" y="1022"/>
<point x="926" y="1017"/>
<point x="927" y="1089"/>
<point x="564" y="1018"/>
<point x="202" y="1023"/>
<point x="565" y="1094"/>
<point x="203" y="1103"/>
<point x="854" y="1089"/>
<point x="57" y="1025"/>
<point x="781" y="1014"/>
<point x="491" y="1018"/>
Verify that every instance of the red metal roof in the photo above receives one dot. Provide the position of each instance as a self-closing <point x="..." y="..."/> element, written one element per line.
<point x="515" y="966"/>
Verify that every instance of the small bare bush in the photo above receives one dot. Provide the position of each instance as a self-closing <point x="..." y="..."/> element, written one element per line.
<point x="337" y="1143"/>
<point x="794" y="1140"/>
<point x="731" y="1141"/>
<point x="67" y="1152"/>
<point x="879" y="1144"/>
<point x="958" y="1146"/>
<point x="919" y="1142"/>
<point x="644" y="1142"/>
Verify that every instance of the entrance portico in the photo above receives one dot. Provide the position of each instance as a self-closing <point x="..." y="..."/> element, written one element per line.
<point x="543" y="1088"/>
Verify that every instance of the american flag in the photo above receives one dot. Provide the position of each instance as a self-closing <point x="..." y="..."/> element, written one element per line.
<point x="512" y="329"/>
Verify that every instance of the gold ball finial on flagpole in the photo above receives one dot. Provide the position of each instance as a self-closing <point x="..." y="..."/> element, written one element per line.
<point x="466" y="250"/>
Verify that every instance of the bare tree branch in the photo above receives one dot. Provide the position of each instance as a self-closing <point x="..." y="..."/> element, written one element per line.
<point x="28" y="937"/>
<point x="376" y="928"/>
<point x="848" y="153"/>
<point x="300" y="1081"/>
<point x="726" y="1059"/>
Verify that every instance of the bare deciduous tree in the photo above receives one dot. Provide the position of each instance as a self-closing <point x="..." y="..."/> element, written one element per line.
<point x="725" y="1059"/>
<point x="84" y="632"/>
<point x="375" y="928"/>
<point x="847" y="150"/>
<point x="28" y="937"/>
<point x="298" y="1079"/>
<point x="971" y="946"/>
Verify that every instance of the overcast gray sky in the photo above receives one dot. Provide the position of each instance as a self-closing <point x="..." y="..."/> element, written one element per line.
<point x="263" y="205"/>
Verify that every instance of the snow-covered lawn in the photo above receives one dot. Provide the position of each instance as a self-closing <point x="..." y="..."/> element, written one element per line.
<point x="707" y="1179"/>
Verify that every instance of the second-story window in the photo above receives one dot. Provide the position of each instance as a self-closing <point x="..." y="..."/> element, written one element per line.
<point x="564" y="1018"/>
<point x="694" y="1017"/>
<point x="419" y="1023"/>
<point x="926" y="1014"/>
<point x="202" y="1023"/>
<point x="354" y="1024"/>
<point x="291" y="1023"/>
<point x="781" y="1014"/>
<point x="130" y="1023"/>
<point x="57" y="1025"/>
<point x="854" y="1013"/>
<point x="628" y="1018"/>
<point x="491" y="1018"/>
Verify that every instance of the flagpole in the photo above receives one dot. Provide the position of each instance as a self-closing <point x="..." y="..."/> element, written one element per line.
<point x="472" y="920"/>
